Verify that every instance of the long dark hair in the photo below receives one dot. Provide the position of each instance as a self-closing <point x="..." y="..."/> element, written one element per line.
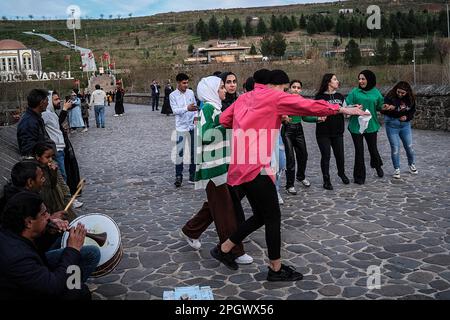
<point x="403" y="85"/>
<point x="324" y="84"/>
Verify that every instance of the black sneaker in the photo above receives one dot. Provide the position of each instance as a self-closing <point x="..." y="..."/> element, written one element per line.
<point x="226" y="258"/>
<point x="380" y="172"/>
<point x="286" y="273"/>
<point x="344" y="179"/>
<point x="178" y="182"/>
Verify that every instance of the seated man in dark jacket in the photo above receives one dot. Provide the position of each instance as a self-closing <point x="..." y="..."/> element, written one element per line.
<point x="25" y="272"/>
<point x="31" y="128"/>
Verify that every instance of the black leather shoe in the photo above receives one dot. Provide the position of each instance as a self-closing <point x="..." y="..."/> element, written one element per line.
<point x="344" y="178"/>
<point x="226" y="258"/>
<point x="359" y="181"/>
<point x="380" y="172"/>
<point x="327" y="185"/>
<point x="178" y="182"/>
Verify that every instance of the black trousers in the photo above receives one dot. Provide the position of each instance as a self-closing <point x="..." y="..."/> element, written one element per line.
<point x="325" y="144"/>
<point x="155" y="102"/>
<point x="359" y="170"/>
<point x="262" y="196"/>
<point x="295" y="147"/>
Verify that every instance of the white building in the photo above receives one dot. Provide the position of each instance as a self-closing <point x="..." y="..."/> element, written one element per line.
<point x="16" y="58"/>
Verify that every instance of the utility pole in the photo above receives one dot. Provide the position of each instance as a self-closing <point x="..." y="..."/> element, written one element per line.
<point x="414" y="62"/>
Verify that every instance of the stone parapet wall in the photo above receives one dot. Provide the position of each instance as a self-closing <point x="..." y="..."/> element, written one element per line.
<point x="433" y="105"/>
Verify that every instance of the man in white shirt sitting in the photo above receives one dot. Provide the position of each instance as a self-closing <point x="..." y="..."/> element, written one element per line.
<point x="184" y="106"/>
<point x="98" y="100"/>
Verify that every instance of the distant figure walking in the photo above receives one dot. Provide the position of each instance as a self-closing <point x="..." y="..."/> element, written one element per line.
<point x="166" y="108"/>
<point x="120" y="93"/>
<point x="75" y="117"/>
<point x="98" y="100"/>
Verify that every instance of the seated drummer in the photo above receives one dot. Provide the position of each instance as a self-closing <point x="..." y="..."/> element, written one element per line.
<point x="28" y="273"/>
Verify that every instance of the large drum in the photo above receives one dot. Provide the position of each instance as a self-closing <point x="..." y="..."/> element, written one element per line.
<point x="111" y="251"/>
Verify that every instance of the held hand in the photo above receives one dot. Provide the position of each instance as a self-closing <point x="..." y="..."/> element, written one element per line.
<point x="76" y="237"/>
<point x="60" y="225"/>
<point x="67" y="105"/>
<point x="403" y="118"/>
<point x="53" y="166"/>
<point x="321" y="119"/>
<point x="357" y="111"/>
<point x="285" y="119"/>
<point x="192" y="107"/>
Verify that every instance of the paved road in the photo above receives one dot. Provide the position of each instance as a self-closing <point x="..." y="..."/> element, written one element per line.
<point x="330" y="236"/>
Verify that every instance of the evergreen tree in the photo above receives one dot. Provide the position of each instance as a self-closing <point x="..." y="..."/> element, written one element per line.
<point x="248" y="29"/>
<point x="408" y="55"/>
<point x="274" y="26"/>
<point x="352" y="54"/>
<point x="136" y="41"/>
<point x="394" y="52"/>
<point x="225" y="29"/>
<point x="302" y="22"/>
<point x="190" y="48"/>
<point x="261" y="29"/>
<point x="329" y="23"/>
<point x="336" y="43"/>
<point x="266" y="46"/>
<point x="294" y="22"/>
<point x="287" y="25"/>
<point x="236" y="29"/>
<point x="429" y="51"/>
<point x="311" y="27"/>
<point x="381" y="51"/>
<point x="279" y="45"/>
<point x="213" y="27"/>
<point x="202" y="30"/>
<point x="253" y="50"/>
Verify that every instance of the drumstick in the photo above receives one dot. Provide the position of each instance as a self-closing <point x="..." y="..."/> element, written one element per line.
<point x="80" y="186"/>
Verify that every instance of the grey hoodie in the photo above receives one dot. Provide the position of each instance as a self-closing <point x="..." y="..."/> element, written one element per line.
<point x="51" y="121"/>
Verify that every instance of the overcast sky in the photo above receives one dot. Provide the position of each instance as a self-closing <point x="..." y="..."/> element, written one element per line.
<point x="93" y="8"/>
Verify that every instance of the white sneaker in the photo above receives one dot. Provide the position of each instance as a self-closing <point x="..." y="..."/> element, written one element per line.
<point x="291" y="190"/>
<point x="244" y="259"/>
<point x="280" y="199"/>
<point x="306" y="183"/>
<point x="194" y="243"/>
<point x="396" y="174"/>
<point x="121" y="114"/>
<point x="77" y="204"/>
<point x="84" y="130"/>
<point x="413" y="169"/>
<point x="116" y="115"/>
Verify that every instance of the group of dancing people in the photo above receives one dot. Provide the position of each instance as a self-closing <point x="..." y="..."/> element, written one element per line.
<point x="272" y="102"/>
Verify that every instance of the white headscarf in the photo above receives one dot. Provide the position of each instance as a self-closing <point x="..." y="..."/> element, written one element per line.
<point x="207" y="91"/>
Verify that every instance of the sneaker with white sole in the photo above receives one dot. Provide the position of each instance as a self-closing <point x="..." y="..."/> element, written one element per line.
<point x="413" y="169"/>
<point x="77" y="204"/>
<point x="291" y="190"/>
<point x="84" y="130"/>
<point x="280" y="199"/>
<point x="244" y="259"/>
<point x="305" y="182"/>
<point x="116" y="115"/>
<point x="194" y="243"/>
<point x="396" y="174"/>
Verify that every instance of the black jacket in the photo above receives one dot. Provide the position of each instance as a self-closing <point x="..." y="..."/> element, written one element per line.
<point x="153" y="87"/>
<point x="402" y="108"/>
<point x="25" y="273"/>
<point x="30" y="130"/>
<point x="333" y="126"/>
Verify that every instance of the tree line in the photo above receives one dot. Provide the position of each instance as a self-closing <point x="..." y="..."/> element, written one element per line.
<point x="395" y="25"/>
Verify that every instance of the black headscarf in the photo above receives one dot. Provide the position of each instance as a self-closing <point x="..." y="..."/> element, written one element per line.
<point x="229" y="97"/>
<point x="371" y="79"/>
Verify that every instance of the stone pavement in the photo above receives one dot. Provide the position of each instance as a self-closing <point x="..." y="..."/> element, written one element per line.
<point x="330" y="236"/>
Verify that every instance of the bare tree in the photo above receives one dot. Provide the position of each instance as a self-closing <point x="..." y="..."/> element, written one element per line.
<point x="110" y="16"/>
<point x="30" y="16"/>
<point x="101" y="15"/>
<point x="443" y="48"/>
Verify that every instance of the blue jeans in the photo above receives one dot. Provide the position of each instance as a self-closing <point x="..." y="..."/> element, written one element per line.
<point x="397" y="130"/>
<point x="100" y="116"/>
<point x="90" y="256"/>
<point x="180" y="153"/>
<point x="60" y="160"/>
<point x="278" y="161"/>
